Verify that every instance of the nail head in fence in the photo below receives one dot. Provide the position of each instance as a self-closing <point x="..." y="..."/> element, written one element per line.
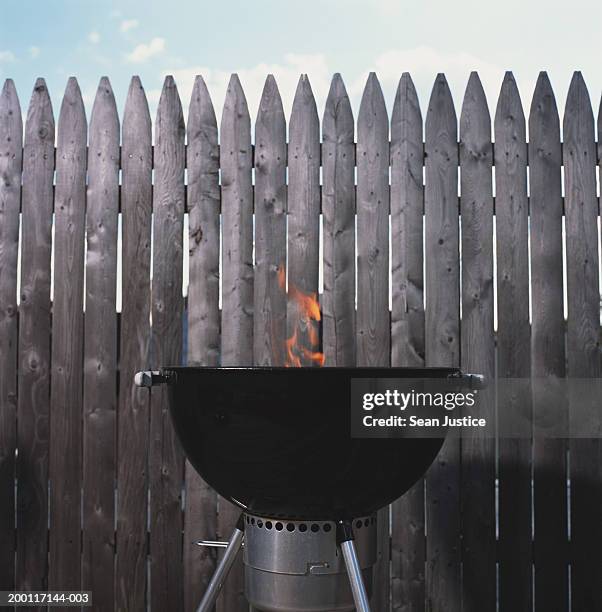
<point x="34" y="343"/>
<point x="11" y="157"/>
<point x="478" y="504"/>
<point x="442" y="339"/>
<point x="65" y="461"/>
<point x="203" y="204"/>
<point x="134" y="404"/>
<point x="547" y="351"/>
<point x="408" y="544"/>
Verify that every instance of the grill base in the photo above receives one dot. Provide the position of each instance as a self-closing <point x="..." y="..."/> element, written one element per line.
<point x="297" y="566"/>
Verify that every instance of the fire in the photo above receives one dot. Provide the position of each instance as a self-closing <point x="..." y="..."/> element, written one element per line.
<point x="303" y="346"/>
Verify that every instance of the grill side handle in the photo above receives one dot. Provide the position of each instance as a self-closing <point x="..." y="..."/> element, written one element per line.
<point x="472" y="381"/>
<point x="150" y="378"/>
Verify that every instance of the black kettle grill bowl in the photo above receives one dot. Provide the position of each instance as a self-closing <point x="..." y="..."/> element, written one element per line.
<point x="276" y="441"/>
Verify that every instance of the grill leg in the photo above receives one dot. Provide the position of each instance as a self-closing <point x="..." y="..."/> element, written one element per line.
<point x="223" y="569"/>
<point x="345" y="541"/>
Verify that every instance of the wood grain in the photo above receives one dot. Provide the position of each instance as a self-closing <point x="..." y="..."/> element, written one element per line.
<point x="583" y="343"/>
<point x="478" y="349"/>
<point x="203" y="203"/>
<point x="166" y="464"/>
<point x="442" y="341"/>
<point x="548" y="353"/>
<point x="66" y="398"/>
<point x="338" y="209"/>
<point x="373" y="318"/>
<point x="269" y="331"/>
<point x="100" y="349"/>
<point x="34" y="343"/>
<point x="408" y="544"/>
<point x="134" y="404"/>
<point x="514" y="401"/>
<point x="11" y="158"/>
<point x="303" y="211"/>
<point x="237" y="283"/>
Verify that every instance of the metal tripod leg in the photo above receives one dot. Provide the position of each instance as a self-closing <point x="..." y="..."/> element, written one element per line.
<point x="223" y="568"/>
<point x="345" y="541"/>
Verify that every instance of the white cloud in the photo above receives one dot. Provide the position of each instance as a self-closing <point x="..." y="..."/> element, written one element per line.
<point x="128" y="24"/>
<point x="94" y="37"/>
<point x="144" y="52"/>
<point x="287" y="75"/>
<point x="34" y="52"/>
<point x="7" y="56"/>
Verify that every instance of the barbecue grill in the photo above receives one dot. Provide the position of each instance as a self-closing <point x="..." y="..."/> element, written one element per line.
<point x="277" y="443"/>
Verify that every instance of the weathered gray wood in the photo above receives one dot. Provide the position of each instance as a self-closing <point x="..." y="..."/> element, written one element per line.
<point x="373" y="321"/>
<point x="133" y="412"/>
<point x="34" y="343"/>
<point x="547" y="352"/>
<point x="166" y="463"/>
<point x="513" y="337"/>
<point x="408" y="544"/>
<point x="442" y="341"/>
<point x="373" y="330"/>
<point x="100" y="349"/>
<point x="270" y="229"/>
<point x="477" y="349"/>
<point x="583" y="341"/>
<point x="66" y="398"/>
<point x="11" y="157"/>
<point x="203" y="202"/>
<point x="237" y="281"/>
<point x="338" y="209"/>
<point x="304" y="213"/>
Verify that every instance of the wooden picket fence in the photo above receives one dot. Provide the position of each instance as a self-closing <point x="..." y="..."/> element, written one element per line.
<point x="104" y="500"/>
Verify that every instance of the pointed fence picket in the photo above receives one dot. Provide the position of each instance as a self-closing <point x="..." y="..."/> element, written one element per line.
<point x="85" y="434"/>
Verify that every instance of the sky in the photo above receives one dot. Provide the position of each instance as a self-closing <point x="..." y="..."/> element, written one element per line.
<point x="88" y="39"/>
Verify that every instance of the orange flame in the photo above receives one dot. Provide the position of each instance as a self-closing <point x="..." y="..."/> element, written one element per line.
<point x="303" y="346"/>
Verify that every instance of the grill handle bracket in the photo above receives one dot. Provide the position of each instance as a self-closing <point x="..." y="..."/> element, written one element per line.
<point x="150" y="378"/>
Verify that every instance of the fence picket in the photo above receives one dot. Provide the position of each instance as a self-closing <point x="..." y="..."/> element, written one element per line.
<point x="338" y="209"/>
<point x="442" y="341"/>
<point x="408" y="544"/>
<point x="237" y="283"/>
<point x="547" y="352"/>
<point x="270" y="229"/>
<point x="100" y="349"/>
<point x="66" y="398"/>
<point x="166" y="462"/>
<point x="11" y="158"/>
<point x="303" y="199"/>
<point x="478" y="349"/>
<point x="513" y="349"/>
<point x="583" y="341"/>
<point x="373" y="322"/>
<point x="34" y="343"/>
<point x="133" y="411"/>
<point x="203" y="203"/>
